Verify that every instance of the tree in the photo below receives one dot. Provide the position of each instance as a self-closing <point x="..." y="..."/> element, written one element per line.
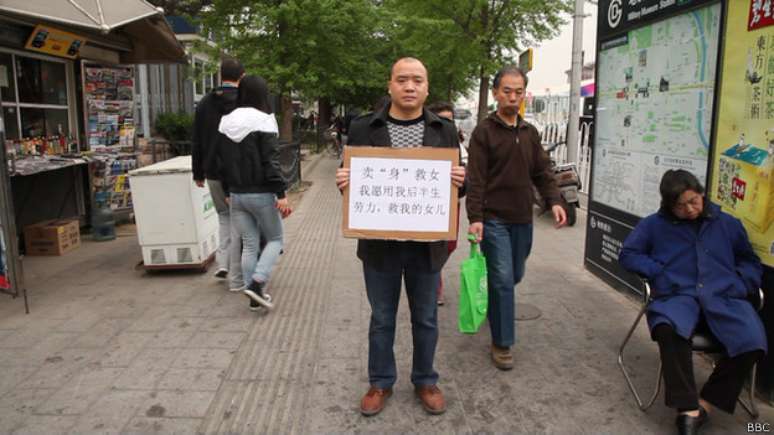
<point x="445" y="52"/>
<point x="496" y="29"/>
<point x="320" y="48"/>
<point x="339" y="51"/>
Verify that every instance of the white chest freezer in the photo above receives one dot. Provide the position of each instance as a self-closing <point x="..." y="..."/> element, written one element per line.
<point x="177" y="224"/>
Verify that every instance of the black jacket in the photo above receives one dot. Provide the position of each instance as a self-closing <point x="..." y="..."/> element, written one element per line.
<point x="210" y="109"/>
<point x="247" y="153"/>
<point x="371" y="130"/>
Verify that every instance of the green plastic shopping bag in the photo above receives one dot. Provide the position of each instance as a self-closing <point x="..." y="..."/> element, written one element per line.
<point x="474" y="290"/>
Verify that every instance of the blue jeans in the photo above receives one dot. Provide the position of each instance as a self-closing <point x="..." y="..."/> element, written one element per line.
<point x="506" y="247"/>
<point x="230" y="246"/>
<point x="254" y="215"/>
<point x="383" y="289"/>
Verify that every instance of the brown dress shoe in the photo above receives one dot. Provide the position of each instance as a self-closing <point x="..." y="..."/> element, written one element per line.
<point x="502" y="357"/>
<point x="431" y="398"/>
<point x="374" y="400"/>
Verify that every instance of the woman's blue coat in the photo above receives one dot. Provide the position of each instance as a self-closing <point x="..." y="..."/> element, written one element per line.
<point x="711" y="272"/>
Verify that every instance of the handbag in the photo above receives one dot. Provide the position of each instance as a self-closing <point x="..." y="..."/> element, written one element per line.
<point x="474" y="290"/>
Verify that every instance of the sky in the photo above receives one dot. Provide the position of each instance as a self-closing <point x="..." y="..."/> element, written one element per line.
<point x="552" y="58"/>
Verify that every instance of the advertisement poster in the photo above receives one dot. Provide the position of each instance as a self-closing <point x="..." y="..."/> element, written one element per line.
<point x="742" y="176"/>
<point x="109" y="95"/>
<point x="57" y="42"/>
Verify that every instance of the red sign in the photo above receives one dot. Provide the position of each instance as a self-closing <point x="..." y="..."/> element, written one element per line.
<point x="761" y="14"/>
<point x="738" y="188"/>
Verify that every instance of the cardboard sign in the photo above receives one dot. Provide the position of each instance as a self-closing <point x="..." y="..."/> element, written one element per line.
<point x="47" y="40"/>
<point x="400" y="193"/>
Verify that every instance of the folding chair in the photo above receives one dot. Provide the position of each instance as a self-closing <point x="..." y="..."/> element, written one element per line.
<point x="702" y="341"/>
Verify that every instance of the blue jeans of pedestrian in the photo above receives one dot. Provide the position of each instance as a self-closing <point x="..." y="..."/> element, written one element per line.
<point x="254" y="215"/>
<point x="506" y="247"/>
<point x="229" y="253"/>
<point x="383" y="289"/>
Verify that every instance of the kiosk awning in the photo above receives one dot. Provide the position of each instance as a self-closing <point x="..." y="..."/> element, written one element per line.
<point x="142" y="33"/>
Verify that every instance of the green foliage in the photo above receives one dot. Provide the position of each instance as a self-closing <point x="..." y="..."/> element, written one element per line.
<point x="487" y="34"/>
<point x="317" y="47"/>
<point x="342" y="49"/>
<point x="174" y="126"/>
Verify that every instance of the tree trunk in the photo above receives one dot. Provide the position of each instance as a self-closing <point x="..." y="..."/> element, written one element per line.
<point x="323" y="120"/>
<point x="286" y="129"/>
<point x="286" y="97"/>
<point x="483" y="95"/>
<point x="324" y="106"/>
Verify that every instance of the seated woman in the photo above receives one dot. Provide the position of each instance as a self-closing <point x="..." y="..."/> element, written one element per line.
<point x="701" y="268"/>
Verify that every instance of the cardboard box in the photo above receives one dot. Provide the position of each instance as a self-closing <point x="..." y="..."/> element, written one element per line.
<point x="55" y="237"/>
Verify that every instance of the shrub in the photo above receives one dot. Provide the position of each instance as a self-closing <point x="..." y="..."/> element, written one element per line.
<point x="175" y="126"/>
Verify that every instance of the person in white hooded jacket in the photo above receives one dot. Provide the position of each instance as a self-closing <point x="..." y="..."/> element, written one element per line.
<point x="248" y="159"/>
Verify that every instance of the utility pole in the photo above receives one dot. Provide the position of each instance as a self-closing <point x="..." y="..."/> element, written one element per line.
<point x="575" y="79"/>
<point x="13" y="265"/>
<point x="145" y="109"/>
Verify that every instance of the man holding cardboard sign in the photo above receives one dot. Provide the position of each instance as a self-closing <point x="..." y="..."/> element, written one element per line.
<point x="403" y="124"/>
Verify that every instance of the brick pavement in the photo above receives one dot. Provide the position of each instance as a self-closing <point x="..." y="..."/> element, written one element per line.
<point x="111" y="349"/>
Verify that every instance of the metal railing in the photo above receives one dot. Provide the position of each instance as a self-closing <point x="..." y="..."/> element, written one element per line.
<point x="290" y="162"/>
<point x="584" y="152"/>
<point x="290" y="156"/>
<point x="554" y="132"/>
<point x="162" y="149"/>
<point x="557" y="133"/>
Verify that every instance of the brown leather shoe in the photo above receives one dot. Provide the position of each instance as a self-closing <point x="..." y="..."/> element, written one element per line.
<point x="431" y="398"/>
<point x="502" y="357"/>
<point x="374" y="400"/>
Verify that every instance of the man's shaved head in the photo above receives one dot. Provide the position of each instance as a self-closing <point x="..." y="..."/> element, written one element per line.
<point x="406" y="59"/>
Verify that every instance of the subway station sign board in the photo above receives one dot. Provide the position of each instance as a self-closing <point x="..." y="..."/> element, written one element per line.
<point x="620" y="15"/>
<point x="656" y="84"/>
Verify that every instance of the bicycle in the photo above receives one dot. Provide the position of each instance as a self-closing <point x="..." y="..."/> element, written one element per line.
<point x="332" y="142"/>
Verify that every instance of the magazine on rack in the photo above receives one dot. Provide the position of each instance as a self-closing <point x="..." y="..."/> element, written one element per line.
<point x="109" y="97"/>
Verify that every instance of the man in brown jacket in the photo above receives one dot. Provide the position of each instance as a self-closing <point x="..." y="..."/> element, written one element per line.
<point x="506" y="159"/>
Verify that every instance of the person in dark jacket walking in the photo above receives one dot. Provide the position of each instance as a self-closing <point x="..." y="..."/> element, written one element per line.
<point x="248" y="155"/>
<point x="403" y="123"/>
<point x="702" y="269"/>
<point x="505" y="160"/>
<point x="210" y="109"/>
